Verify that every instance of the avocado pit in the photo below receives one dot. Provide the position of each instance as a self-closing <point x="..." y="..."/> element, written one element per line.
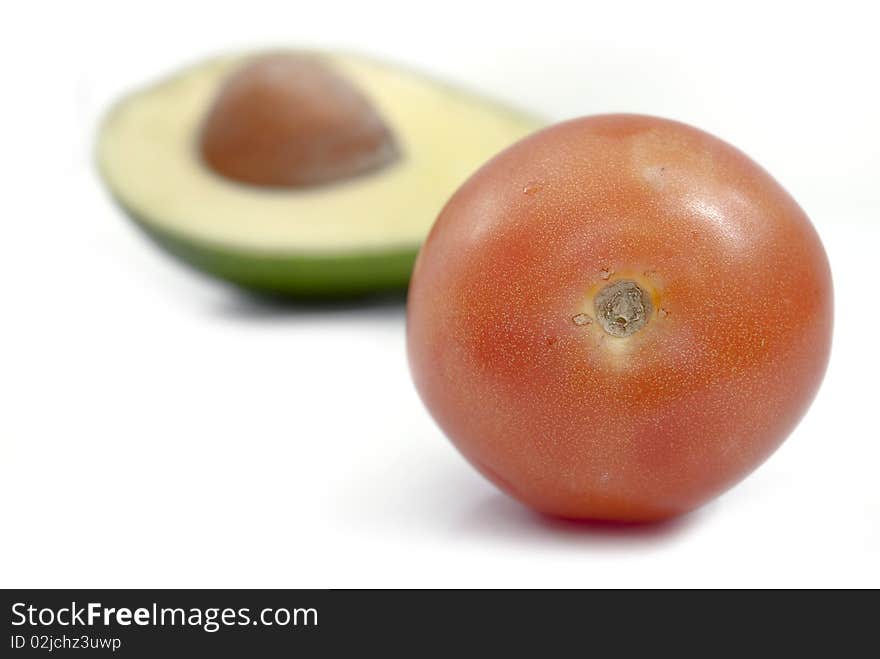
<point x="289" y="120"/>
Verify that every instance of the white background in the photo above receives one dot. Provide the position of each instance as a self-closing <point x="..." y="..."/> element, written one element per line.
<point x="159" y="429"/>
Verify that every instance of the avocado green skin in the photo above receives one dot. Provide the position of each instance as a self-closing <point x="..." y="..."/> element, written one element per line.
<point x="301" y="275"/>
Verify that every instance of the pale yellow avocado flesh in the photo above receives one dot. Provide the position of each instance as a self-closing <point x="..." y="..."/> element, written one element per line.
<point x="349" y="237"/>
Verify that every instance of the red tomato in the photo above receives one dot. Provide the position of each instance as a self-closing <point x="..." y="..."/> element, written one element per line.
<point x="619" y="317"/>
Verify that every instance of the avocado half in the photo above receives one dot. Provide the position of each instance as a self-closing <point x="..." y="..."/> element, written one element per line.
<point x="349" y="237"/>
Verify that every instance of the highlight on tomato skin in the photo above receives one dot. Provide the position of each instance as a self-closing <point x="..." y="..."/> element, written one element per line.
<point x="619" y="317"/>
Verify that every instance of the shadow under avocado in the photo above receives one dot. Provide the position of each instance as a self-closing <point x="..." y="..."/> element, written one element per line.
<point x="497" y="517"/>
<point x="245" y="304"/>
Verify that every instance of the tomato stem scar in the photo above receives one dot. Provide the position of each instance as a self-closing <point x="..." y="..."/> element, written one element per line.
<point x="622" y="308"/>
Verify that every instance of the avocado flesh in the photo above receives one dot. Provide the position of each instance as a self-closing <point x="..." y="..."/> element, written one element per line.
<point x="352" y="237"/>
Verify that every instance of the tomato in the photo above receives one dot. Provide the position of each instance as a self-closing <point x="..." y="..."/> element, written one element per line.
<point x="619" y="317"/>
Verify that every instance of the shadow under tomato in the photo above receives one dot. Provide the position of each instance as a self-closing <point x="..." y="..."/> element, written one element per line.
<point x="498" y="517"/>
<point x="427" y="490"/>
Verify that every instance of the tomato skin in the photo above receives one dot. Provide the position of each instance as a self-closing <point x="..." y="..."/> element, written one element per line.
<point x="507" y="354"/>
